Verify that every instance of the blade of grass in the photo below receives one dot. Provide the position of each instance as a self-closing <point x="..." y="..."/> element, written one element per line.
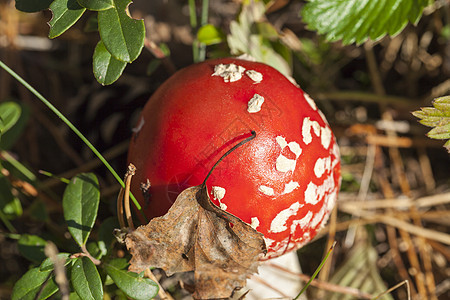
<point x="70" y="125"/>
<point x="316" y="272"/>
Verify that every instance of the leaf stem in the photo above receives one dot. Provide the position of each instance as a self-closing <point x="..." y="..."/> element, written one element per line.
<point x="70" y="125"/>
<point x="228" y="152"/>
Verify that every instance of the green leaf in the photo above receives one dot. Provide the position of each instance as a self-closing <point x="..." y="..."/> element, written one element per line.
<point x="80" y="206"/>
<point x="131" y="283"/>
<point x="122" y="35"/>
<point x="9" y="115"/>
<point x="32" y="247"/>
<point x="96" y="4"/>
<point x="107" y="69"/>
<point x="357" y="20"/>
<point x="65" y="14"/>
<point x="86" y="280"/>
<point x="437" y="117"/>
<point x="31" y="6"/>
<point x="30" y="285"/>
<point x="9" y="137"/>
<point x="210" y="35"/>
<point x="47" y="265"/>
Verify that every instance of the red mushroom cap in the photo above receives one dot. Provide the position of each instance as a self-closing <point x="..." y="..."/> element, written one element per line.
<point x="284" y="182"/>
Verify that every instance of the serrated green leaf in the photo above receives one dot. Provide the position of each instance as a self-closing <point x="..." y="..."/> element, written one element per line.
<point x="122" y="35"/>
<point x="32" y="247"/>
<point x="31" y="6"/>
<point x="357" y="20"/>
<point x="31" y="284"/>
<point x="65" y="14"/>
<point x="80" y="206"/>
<point x="85" y="279"/>
<point x="438" y="117"/>
<point x="210" y="35"/>
<point x="9" y="115"/>
<point x="440" y="132"/>
<point x="132" y="284"/>
<point x="96" y="4"/>
<point x="47" y="265"/>
<point x="107" y="69"/>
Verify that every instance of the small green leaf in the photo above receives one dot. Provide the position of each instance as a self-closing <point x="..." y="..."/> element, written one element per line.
<point x="437" y="117"/>
<point x="96" y="4"/>
<point x="210" y="35"/>
<point x="30" y="285"/>
<point x="80" y="206"/>
<point x="9" y="137"/>
<point x="65" y="14"/>
<point x="122" y="35"/>
<point x="47" y="265"/>
<point x="107" y="69"/>
<point x="31" y="6"/>
<point x="9" y="115"/>
<point x="132" y="284"/>
<point x="357" y="20"/>
<point x="32" y="247"/>
<point x="86" y="280"/>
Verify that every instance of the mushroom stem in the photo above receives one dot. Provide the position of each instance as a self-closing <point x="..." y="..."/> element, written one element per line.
<point x="228" y="152"/>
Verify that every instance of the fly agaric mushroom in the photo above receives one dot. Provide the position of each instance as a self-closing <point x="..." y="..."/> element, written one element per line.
<point x="284" y="183"/>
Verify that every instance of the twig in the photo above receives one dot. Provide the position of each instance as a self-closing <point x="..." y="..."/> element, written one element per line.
<point x="51" y="252"/>
<point x="325" y="285"/>
<point x="161" y="292"/>
<point x="404" y="282"/>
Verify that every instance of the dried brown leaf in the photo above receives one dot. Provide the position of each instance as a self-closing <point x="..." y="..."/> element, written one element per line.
<point x="195" y="235"/>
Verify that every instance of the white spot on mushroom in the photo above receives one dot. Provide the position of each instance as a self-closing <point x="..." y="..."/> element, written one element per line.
<point x="254" y="105"/>
<point x="229" y="73"/>
<point x="314" y="193"/>
<point x="254" y="223"/>
<point x="325" y="136"/>
<point x="281" y="141"/>
<point x="295" y="147"/>
<point x="318" y="217"/>
<point x="139" y="126"/>
<point x="223" y="206"/>
<point x="279" y="222"/>
<point x="332" y="200"/>
<point x="268" y="242"/>
<point x="284" y="164"/>
<point x="306" y="129"/>
<point x="310" y="101"/>
<point x="218" y="192"/>
<point x="254" y="75"/>
<point x="321" y="166"/>
<point x="302" y="223"/>
<point x="266" y="190"/>
<point x="290" y="187"/>
<point x="311" y="194"/>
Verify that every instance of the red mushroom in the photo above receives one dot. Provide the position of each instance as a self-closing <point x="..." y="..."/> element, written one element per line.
<point x="284" y="183"/>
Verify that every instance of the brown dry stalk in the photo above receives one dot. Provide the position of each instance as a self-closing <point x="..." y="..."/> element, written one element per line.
<point x="161" y="293"/>
<point x="325" y="285"/>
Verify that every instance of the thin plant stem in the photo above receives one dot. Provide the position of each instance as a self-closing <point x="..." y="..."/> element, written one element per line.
<point x="203" y="21"/>
<point x="316" y="272"/>
<point x="70" y="125"/>
<point x="192" y="14"/>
